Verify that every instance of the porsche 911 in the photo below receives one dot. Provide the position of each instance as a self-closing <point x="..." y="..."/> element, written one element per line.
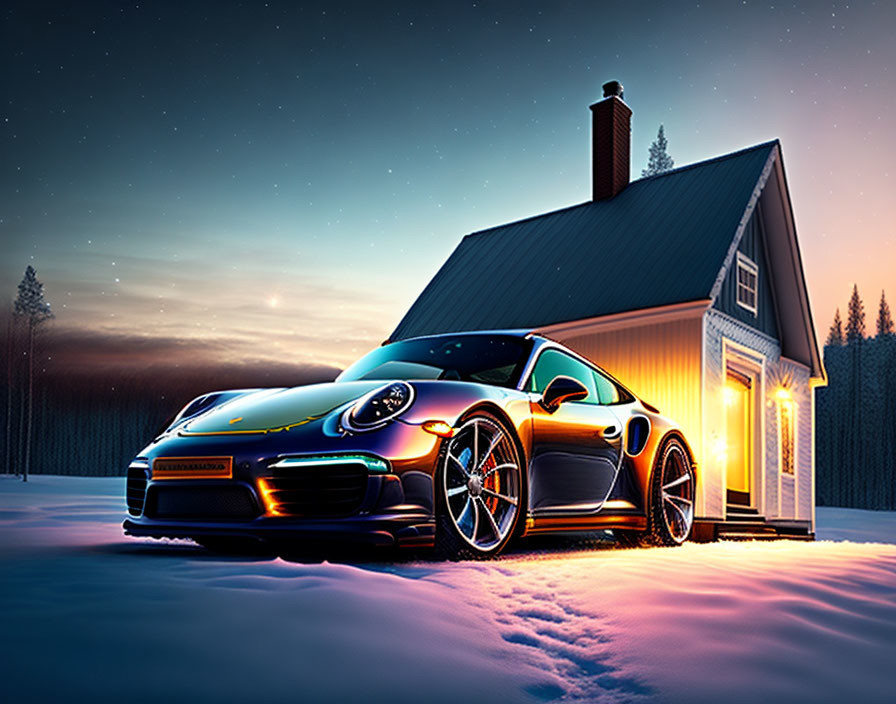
<point x="460" y="442"/>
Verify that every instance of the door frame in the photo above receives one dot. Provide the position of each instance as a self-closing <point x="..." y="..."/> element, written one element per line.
<point x="751" y="364"/>
<point x="580" y="413"/>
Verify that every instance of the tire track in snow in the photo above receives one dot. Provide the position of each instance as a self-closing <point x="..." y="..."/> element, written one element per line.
<point x="546" y="629"/>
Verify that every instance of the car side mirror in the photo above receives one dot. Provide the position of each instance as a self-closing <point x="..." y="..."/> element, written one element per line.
<point x="561" y="390"/>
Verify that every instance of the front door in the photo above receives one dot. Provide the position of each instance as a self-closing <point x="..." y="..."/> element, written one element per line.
<point x="577" y="447"/>
<point x="738" y="440"/>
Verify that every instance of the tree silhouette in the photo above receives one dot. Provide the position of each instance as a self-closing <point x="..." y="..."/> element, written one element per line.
<point x="7" y="442"/>
<point x="658" y="160"/>
<point x="855" y="321"/>
<point x="884" y="319"/>
<point x="856" y="426"/>
<point x="31" y="307"/>
<point x="835" y="335"/>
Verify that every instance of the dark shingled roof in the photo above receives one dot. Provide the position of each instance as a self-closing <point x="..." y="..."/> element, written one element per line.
<point x="661" y="241"/>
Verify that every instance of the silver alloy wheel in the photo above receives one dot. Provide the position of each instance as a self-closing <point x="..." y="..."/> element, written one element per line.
<point x="677" y="493"/>
<point x="481" y="483"/>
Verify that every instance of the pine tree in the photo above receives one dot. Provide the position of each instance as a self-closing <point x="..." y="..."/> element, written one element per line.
<point x="659" y="160"/>
<point x="855" y="321"/>
<point x="835" y="335"/>
<point x="7" y="442"/>
<point x="31" y="307"/>
<point x="884" y="319"/>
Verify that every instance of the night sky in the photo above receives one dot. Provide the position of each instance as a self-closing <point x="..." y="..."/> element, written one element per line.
<point x="262" y="181"/>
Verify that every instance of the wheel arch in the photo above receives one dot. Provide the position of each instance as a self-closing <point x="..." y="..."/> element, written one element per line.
<point x="502" y="415"/>
<point x="505" y="418"/>
<point x="494" y="408"/>
<point x="673" y="434"/>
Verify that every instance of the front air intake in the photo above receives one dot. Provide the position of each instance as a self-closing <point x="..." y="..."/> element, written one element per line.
<point x="317" y="490"/>
<point x="136" y="489"/>
<point x="218" y="502"/>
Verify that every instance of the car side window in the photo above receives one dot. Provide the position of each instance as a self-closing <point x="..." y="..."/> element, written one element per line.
<point x="553" y="363"/>
<point x="607" y="391"/>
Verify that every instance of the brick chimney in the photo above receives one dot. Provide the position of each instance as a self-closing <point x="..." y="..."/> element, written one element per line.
<point x="611" y="121"/>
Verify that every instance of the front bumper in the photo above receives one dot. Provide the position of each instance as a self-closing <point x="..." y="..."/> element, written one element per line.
<point x="400" y="529"/>
<point x="309" y="484"/>
<point x="301" y="499"/>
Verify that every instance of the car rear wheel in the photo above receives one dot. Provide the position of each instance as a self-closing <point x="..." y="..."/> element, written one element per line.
<point x="479" y="489"/>
<point x="671" y="515"/>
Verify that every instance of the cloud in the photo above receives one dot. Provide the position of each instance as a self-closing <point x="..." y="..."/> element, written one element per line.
<point x="68" y="352"/>
<point x="223" y="312"/>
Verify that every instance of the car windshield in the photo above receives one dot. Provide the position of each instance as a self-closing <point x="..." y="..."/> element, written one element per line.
<point x="487" y="359"/>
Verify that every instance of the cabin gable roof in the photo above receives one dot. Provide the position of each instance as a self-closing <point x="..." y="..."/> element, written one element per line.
<point x="664" y="240"/>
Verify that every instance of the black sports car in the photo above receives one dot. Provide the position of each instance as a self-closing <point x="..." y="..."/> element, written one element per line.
<point x="459" y="441"/>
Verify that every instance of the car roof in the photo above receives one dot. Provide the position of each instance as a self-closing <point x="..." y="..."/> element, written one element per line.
<point x="524" y="333"/>
<point x="515" y="332"/>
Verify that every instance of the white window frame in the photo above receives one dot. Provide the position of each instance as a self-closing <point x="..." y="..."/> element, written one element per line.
<point x="747" y="264"/>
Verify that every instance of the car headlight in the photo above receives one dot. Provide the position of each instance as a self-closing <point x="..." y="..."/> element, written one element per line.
<point x="381" y="405"/>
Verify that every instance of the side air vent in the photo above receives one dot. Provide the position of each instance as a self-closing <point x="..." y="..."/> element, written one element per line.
<point x="636" y="437"/>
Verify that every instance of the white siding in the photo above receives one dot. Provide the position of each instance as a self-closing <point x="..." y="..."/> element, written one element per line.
<point x="782" y="496"/>
<point x="659" y="361"/>
<point x="679" y="364"/>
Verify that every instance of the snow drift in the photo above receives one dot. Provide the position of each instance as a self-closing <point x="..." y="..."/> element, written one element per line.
<point x="90" y="614"/>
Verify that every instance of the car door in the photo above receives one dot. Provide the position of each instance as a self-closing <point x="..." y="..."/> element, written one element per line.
<point x="576" y="447"/>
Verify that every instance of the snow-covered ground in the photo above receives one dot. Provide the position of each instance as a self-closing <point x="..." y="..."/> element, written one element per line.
<point x="88" y="614"/>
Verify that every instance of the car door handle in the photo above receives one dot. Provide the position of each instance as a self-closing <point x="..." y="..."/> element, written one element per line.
<point x="611" y="432"/>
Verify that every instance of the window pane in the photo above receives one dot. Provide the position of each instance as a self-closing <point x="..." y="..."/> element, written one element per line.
<point x="485" y="358"/>
<point x="787" y="459"/>
<point x="552" y="364"/>
<point x="746" y="284"/>
<point x="606" y="389"/>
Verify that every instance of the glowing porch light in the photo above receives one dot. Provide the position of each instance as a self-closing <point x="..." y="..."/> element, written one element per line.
<point x="783" y="395"/>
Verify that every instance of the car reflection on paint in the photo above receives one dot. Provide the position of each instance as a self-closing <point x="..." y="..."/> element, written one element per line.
<point x="457" y="441"/>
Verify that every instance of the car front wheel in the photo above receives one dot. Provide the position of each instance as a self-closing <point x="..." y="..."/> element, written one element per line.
<point x="480" y="489"/>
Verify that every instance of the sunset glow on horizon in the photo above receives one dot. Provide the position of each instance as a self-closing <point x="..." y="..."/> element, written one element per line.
<point x="279" y="183"/>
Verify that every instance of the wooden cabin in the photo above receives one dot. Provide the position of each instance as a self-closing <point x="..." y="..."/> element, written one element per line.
<point x="688" y="287"/>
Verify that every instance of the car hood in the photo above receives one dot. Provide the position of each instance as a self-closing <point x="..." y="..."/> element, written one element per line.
<point x="277" y="410"/>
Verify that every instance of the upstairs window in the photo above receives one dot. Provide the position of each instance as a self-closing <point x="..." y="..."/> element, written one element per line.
<point x="747" y="283"/>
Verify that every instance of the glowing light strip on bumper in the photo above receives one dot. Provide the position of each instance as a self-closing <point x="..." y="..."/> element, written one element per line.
<point x="374" y="465"/>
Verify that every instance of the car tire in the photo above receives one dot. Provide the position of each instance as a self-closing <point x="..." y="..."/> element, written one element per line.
<point x="480" y="489"/>
<point x="627" y="538"/>
<point x="670" y="518"/>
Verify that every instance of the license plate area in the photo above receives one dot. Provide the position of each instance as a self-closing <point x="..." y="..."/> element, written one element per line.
<point x="192" y="468"/>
